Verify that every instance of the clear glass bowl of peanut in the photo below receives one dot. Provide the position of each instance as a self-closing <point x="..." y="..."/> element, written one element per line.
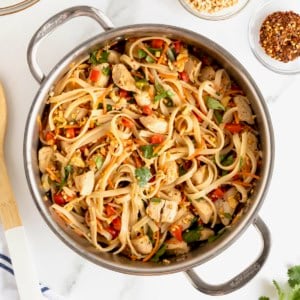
<point x="214" y="9"/>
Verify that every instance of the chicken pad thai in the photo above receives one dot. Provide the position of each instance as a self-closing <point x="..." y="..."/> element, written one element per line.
<point x="148" y="149"/>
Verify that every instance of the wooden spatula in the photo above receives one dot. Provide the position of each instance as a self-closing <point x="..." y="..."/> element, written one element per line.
<point x="27" y="282"/>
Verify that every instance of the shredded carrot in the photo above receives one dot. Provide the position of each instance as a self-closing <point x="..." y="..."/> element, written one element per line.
<point x="155" y="248"/>
<point x="236" y="117"/>
<point x="110" y="183"/>
<point x="168" y="76"/>
<point x="52" y="175"/>
<point x="137" y="160"/>
<point x="163" y="54"/>
<point x="139" y="142"/>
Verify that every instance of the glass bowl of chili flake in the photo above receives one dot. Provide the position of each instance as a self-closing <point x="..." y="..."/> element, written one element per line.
<point x="274" y="35"/>
<point x="214" y="10"/>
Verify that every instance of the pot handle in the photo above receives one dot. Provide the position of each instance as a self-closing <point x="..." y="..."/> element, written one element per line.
<point x="242" y="278"/>
<point x="54" y="22"/>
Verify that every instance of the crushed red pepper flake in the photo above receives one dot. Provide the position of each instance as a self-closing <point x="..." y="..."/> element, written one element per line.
<point x="280" y="35"/>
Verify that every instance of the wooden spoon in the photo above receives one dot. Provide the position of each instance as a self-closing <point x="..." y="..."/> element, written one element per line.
<point x="27" y="282"/>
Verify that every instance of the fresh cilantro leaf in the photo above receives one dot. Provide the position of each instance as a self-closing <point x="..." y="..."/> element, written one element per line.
<point x="193" y="235"/>
<point x="67" y="171"/>
<point x="143" y="175"/>
<point x="295" y="293"/>
<point x="160" y="252"/>
<point x="96" y="59"/>
<point x="280" y="292"/>
<point x="227" y="160"/>
<point x="213" y="103"/>
<point x="294" y="276"/>
<point x="218" y="116"/>
<point x="161" y="93"/>
<point x="148" y="151"/>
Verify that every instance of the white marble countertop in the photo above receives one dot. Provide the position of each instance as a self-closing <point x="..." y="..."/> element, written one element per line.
<point x="69" y="274"/>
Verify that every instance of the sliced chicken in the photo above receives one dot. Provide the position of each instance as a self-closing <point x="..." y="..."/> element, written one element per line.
<point x="142" y="98"/>
<point x="207" y="73"/>
<point x="154" y="124"/>
<point x="123" y="78"/>
<point x="185" y="221"/>
<point x="175" y="247"/>
<point x="45" y="155"/>
<point x="200" y="175"/>
<point x="85" y="183"/>
<point x="252" y="141"/>
<point x="103" y="78"/>
<point x="171" y="171"/>
<point x="130" y="62"/>
<point x="154" y="209"/>
<point x="203" y="209"/>
<point x="113" y="57"/>
<point x="206" y="233"/>
<point x="169" y="211"/>
<point x="142" y="244"/>
<point x="244" y="109"/>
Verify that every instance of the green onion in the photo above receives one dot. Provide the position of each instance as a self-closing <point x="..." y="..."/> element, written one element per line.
<point x="143" y="175"/>
<point x="213" y="103"/>
<point x="141" y="54"/>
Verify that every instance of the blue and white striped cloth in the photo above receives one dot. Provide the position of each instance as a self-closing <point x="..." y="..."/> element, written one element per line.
<point x="8" y="288"/>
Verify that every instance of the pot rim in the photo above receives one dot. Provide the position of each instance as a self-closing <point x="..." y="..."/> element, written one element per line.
<point x="120" y="33"/>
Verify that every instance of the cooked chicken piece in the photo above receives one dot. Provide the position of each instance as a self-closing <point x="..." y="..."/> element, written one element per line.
<point x="45" y="155"/>
<point x="252" y="141"/>
<point x="45" y="182"/>
<point x="206" y="233"/>
<point x="142" y="244"/>
<point x="103" y="77"/>
<point x="204" y="210"/>
<point x="174" y="194"/>
<point x="175" y="247"/>
<point x="77" y="160"/>
<point x="190" y="67"/>
<point x="200" y="175"/>
<point x="207" y="73"/>
<point x="169" y="211"/>
<point x="244" y="109"/>
<point x="130" y="62"/>
<point x="154" y="209"/>
<point x="142" y="98"/>
<point x="123" y="78"/>
<point x="154" y="124"/>
<point x="226" y="208"/>
<point x="171" y="171"/>
<point x="113" y="57"/>
<point x="85" y="183"/>
<point x="181" y="59"/>
<point x="185" y="221"/>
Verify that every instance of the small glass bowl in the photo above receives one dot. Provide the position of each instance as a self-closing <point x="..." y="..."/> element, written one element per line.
<point x="218" y="15"/>
<point x="259" y="15"/>
<point x="11" y="7"/>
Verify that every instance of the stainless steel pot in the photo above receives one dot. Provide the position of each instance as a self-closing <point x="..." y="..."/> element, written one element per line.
<point x="197" y="256"/>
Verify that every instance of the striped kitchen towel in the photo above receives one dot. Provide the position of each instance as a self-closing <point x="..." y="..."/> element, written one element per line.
<point x="8" y="288"/>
